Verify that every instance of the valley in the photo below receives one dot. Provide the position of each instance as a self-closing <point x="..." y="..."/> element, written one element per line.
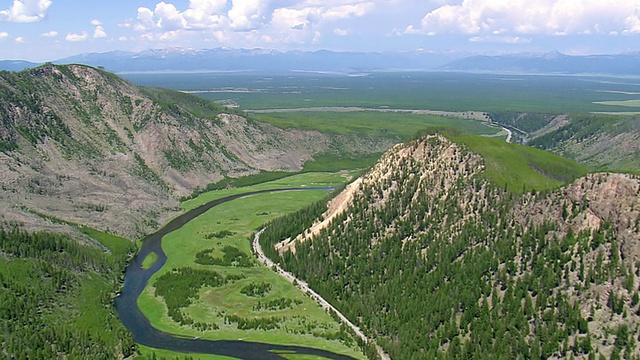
<point x="391" y="196"/>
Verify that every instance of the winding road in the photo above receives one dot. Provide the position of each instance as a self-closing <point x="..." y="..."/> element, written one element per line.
<point x="137" y="278"/>
<point x="304" y="287"/>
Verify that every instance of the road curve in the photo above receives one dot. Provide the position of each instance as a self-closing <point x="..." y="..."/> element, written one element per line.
<point x="304" y="287"/>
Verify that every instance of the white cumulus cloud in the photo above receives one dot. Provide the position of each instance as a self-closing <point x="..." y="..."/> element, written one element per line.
<point x="239" y="22"/>
<point x="347" y="11"/>
<point x="99" y="33"/>
<point x="25" y="11"/>
<point x="19" y="40"/>
<point x="145" y="19"/>
<point x="501" y="39"/>
<point x="540" y="17"/>
<point x="3" y="34"/>
<point x="248" y="14"/>
<point x="206" y="13"/>
<point x="169" y="18"/>
<point x="77" y="37"/>
<point x="50" y="34"/>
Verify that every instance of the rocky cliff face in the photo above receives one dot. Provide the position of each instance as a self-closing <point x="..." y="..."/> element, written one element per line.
<point x="82" y="145"/>
<point x="432" y="258"/>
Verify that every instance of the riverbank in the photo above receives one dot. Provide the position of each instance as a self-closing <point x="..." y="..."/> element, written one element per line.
<point x="236" y="215"/>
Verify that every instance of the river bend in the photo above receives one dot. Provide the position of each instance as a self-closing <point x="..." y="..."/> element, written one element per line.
<point x="136" y="279"/>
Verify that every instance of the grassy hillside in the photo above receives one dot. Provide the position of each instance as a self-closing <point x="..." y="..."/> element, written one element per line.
<point x="520" y="168"/>
<point x="395" y="125"/>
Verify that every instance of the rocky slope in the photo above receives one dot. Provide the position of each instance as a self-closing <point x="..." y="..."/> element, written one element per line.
<point x="433" y="260"/>
<point x="81" y="145"/>
<point x="602" y="141"/>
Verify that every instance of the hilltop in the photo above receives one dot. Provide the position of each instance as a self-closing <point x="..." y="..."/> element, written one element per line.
<point x="81" y="145"/>
<point x="432" y="256"/>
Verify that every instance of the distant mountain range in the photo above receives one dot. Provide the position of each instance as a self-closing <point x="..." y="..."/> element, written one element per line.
<point x="258" y="60"/>
<point x="550" y="63"/>
<point x="271" y="61"/>
<point x="16" y="65"/>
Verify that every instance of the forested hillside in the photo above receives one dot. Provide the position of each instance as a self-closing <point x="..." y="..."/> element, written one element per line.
<point x="602" y="141"/>
<point x="56" y="296"/>
<point x="434" y="259"/>
<point x="81" y="145"/>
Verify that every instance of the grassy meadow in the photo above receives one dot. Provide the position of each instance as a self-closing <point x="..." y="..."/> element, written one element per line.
<point x="300" y="321"/>
<point x="448" y="91"/>
<point x="308" y="179"/>
<point x="521" y="168"/>
<point x="395" y="125"/>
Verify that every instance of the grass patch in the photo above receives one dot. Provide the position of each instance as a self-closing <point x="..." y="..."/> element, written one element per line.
<point x="147" y="353"/>
<point x="521" y="168"/>
<point x="116" y="244"/>
<point x="309" y="179"/>
<point x="395" y="125"/>
<point x="333" y="163"/>
<point x="300" y="321"/>
<point x="149" y="260"/>
<point x="625" y="103"/>
<point x="320" y="163"/>
<point x="249" y="180"/>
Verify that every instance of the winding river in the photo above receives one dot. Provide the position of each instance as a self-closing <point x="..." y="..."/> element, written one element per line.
<point x="136" y="279"/>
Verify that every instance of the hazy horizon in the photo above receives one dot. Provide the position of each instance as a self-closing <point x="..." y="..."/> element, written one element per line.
<point x="47" y="30"/>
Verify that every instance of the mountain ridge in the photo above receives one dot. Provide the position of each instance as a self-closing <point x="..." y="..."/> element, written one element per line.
<point x="84" y="146"/>
<point x="275" y="61"/>
<point x="432" y="259"/>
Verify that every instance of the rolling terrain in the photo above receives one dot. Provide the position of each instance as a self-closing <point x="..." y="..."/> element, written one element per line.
<point x="605" y="141"/>
<point x="433" y="255"/>
<point x="602" y="141"/>
<point x="80" y="145"/>
<point x="451" y="245"/>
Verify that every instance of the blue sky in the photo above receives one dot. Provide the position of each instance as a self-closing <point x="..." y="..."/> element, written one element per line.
<point x="43" y="30"/>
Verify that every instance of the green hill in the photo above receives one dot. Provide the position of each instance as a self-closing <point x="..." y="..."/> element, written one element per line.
<point x="520" y="168"/>
<point x="434" y="258"/>
<point x="56" y="296"/>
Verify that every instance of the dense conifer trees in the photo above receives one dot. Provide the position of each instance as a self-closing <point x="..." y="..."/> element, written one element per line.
<point x="433" y="261"/>
<point x="56" y="296"/>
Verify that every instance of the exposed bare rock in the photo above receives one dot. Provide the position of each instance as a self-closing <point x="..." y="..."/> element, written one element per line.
<point x="425" y="214"/>
<point x="81" y="145"/>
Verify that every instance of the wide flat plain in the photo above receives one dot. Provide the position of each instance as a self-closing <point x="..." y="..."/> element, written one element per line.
<point x="449" y="91"/>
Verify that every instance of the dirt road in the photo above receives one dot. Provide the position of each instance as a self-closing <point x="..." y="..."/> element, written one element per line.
<point x="304" y="287"/>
